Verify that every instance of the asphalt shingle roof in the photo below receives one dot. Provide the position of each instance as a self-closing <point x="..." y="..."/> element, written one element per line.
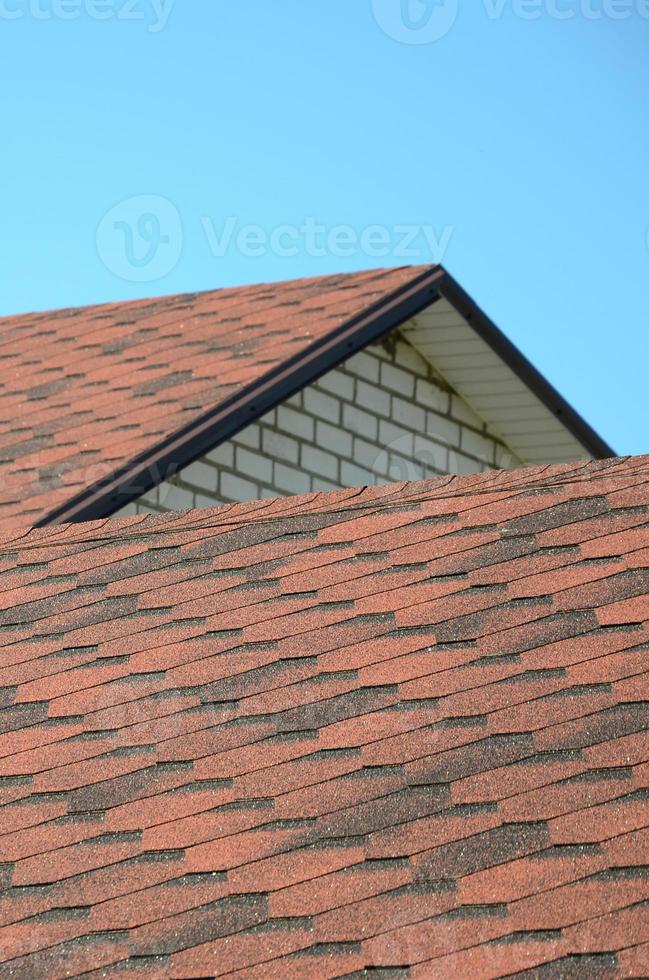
<point x="87" y="391"/>
<point x="404" y="730"/>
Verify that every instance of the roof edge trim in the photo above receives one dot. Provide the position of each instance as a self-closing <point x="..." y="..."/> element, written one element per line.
<point x="451" y="290"/>
<point x="225" y="420"/>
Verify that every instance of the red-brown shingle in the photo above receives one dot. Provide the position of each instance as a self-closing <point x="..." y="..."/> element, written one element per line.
<point x="401" y="729"/>
<point x="86" y="391"/>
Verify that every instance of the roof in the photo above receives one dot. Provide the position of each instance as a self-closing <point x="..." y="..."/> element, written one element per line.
<point x="98" y="405"/>
<point x="498" y="382"/>
<point x="403" y="727"/>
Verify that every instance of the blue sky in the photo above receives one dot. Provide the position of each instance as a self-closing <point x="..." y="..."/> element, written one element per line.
<point x="157" y="146"/>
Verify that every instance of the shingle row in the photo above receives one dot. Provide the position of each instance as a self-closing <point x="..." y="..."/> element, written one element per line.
<point x="402" y="730"/>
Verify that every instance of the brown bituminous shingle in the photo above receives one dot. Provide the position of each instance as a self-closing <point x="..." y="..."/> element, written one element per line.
<point x="87" y="391"/>
<point x="402" y="732"/>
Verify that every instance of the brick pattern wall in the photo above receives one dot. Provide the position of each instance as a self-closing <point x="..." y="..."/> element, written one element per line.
<point x="384" y="416"/>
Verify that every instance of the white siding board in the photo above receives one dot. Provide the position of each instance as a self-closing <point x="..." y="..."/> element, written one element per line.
<point x="492" y="389"/>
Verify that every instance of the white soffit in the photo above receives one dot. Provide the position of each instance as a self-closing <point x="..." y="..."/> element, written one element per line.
<point x="492" y="389"/>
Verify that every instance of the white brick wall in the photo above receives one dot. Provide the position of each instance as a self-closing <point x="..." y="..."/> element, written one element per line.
<point x="383" y="416"/>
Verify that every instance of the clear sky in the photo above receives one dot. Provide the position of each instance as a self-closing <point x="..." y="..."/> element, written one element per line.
<point x="158" y="146"/>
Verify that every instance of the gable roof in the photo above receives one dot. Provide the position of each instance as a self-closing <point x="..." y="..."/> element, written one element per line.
<point x="435" y="758"/>
<point x="103" y="403"/>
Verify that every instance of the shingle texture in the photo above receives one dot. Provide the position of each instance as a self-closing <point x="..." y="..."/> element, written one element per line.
<point x="399" y="732"/>
<point x="84" y="392"/>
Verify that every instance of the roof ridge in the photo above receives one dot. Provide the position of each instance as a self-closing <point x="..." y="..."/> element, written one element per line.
<point x="376" y="498"/>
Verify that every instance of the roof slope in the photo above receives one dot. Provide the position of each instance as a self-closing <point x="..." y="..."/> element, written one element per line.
<point x="402" y="727"/>
<point x="86" y="391"/>
<point x="99" y="405"/>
